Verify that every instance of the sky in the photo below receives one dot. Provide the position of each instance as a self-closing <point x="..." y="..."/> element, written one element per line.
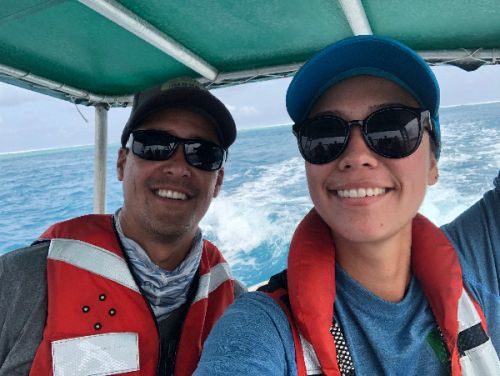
<point x="32" y="121"/>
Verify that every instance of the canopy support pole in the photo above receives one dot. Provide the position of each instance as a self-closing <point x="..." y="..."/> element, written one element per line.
<point x="356" y="16"/>
<point x="101" y="141"/>
<point x="117" y="13"/>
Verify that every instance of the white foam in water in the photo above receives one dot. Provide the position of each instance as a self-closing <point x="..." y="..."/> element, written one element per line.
<point x="238" y="226"/>
<point x="442" y="204"/>
<point x="259" y="210"/>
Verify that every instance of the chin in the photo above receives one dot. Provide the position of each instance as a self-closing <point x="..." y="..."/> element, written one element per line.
<point x="361" y="238"/>
<point x="361" y="231"/>
<point x="373" y="232"/>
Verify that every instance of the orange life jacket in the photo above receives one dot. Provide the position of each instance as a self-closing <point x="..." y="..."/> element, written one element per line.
<point x="97" y="317"/>
<point x="311" y="268"/>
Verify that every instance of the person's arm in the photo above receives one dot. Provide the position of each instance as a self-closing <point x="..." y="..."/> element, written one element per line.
<point x="23" y="307"/>
<point x="253" y="337"/>
<point x="475" y="235"/>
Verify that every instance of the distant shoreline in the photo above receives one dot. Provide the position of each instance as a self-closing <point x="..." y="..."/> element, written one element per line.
<point x="265" y="127"/>
<point x="244" y="129"/>
<point x="470" y="104"/>
<point x="21" y="153"/>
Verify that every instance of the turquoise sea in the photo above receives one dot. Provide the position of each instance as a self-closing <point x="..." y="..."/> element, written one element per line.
<point x="264" y="194"/>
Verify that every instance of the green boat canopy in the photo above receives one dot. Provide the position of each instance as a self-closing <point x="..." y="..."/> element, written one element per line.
<point x="103" y="51"/>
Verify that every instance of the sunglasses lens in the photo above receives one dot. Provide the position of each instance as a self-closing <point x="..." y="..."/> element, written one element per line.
<point x="394" y="133"/>
<point x="159" y="146"/>
<point x="204" y="155"/>
<point x="322" y="140"/>
<point x="153" y="145"/>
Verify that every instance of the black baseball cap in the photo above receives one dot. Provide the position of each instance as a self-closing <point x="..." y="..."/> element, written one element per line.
<point x="185" y="93"/>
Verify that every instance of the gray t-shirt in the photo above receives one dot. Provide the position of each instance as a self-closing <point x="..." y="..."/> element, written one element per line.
<point x="23" y="307"/>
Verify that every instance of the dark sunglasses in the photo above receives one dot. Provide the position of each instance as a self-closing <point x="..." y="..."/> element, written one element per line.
<point x="392" y="132"/>
<point x="155" y="145"/>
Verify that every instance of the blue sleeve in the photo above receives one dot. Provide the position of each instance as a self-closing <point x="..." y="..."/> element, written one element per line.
<point x="475" y="235"/>
<point x="253" y="337"/>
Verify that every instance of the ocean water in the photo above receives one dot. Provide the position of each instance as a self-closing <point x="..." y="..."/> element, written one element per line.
<point x="264" y="195"/>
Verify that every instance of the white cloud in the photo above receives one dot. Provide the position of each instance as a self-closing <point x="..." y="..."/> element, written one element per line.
<point x="11" y="96"/>
<point x="242" y="111"/>
<point x="248" y="111"/>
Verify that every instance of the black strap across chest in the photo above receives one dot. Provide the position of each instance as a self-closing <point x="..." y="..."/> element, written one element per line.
<point x="170" y="329"/>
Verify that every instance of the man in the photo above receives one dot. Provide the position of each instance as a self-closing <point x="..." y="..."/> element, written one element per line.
<point x="138" y="291"/>
<point x="371" y="286"/>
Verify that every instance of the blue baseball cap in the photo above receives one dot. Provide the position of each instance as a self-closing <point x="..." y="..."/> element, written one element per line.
<point x="364" y="55"/>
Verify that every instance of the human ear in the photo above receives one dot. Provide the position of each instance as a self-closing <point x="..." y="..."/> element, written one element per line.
<point x="218" y="182"/>
<point x="120" y="163"/>
<point x="433" y="174"/>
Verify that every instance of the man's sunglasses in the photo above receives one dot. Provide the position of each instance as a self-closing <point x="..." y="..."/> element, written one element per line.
<point x="155" y="145"/>
<point x="392" y="132"/>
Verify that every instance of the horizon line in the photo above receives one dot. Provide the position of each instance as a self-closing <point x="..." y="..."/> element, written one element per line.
<point x="470" y="104"/>
<point x="246" y="128"/>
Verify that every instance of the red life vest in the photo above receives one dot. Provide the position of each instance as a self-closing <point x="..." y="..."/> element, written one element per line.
<point x="311" y="267"/>
<point x="97" y="316"/>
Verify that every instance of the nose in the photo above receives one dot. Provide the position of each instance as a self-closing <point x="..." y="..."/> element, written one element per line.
<point x="357" y="153"/>
<point x="176" y="165"/>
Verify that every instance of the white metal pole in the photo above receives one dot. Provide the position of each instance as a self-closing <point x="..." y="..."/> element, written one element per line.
<point x="356" y="16"/>
<point x="71" y="92"/>
<point x="101" y="142"/>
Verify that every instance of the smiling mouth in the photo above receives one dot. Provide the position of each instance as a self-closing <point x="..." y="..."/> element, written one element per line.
<point x="361" y="192"/>
<point x="173" y="195"/>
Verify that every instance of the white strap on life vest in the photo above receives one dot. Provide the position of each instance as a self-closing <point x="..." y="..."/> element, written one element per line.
<point x="310" y="359"/>
<point x="480" y="360"/>
<point x="217" y="275"/>
<point x="93" y="259"/>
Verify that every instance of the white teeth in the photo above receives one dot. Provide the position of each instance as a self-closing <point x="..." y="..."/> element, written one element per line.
<point x="361" y="192"/>
<point x="167" y="193"/>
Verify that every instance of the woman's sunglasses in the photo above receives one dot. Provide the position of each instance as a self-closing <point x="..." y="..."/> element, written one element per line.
<point x="392" y="132"/>
<point x="155" y="145"/>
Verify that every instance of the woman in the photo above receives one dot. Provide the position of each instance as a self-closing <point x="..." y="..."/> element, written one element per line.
<point x="371" y="287"/>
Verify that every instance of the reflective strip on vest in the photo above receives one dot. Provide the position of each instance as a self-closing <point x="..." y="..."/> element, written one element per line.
<point x="310" y="359"/>
<point x="97" y="260"/>
<point x="104" y="354"/>
<point x="214" y="278"/>
<point x="477" y="354"/>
